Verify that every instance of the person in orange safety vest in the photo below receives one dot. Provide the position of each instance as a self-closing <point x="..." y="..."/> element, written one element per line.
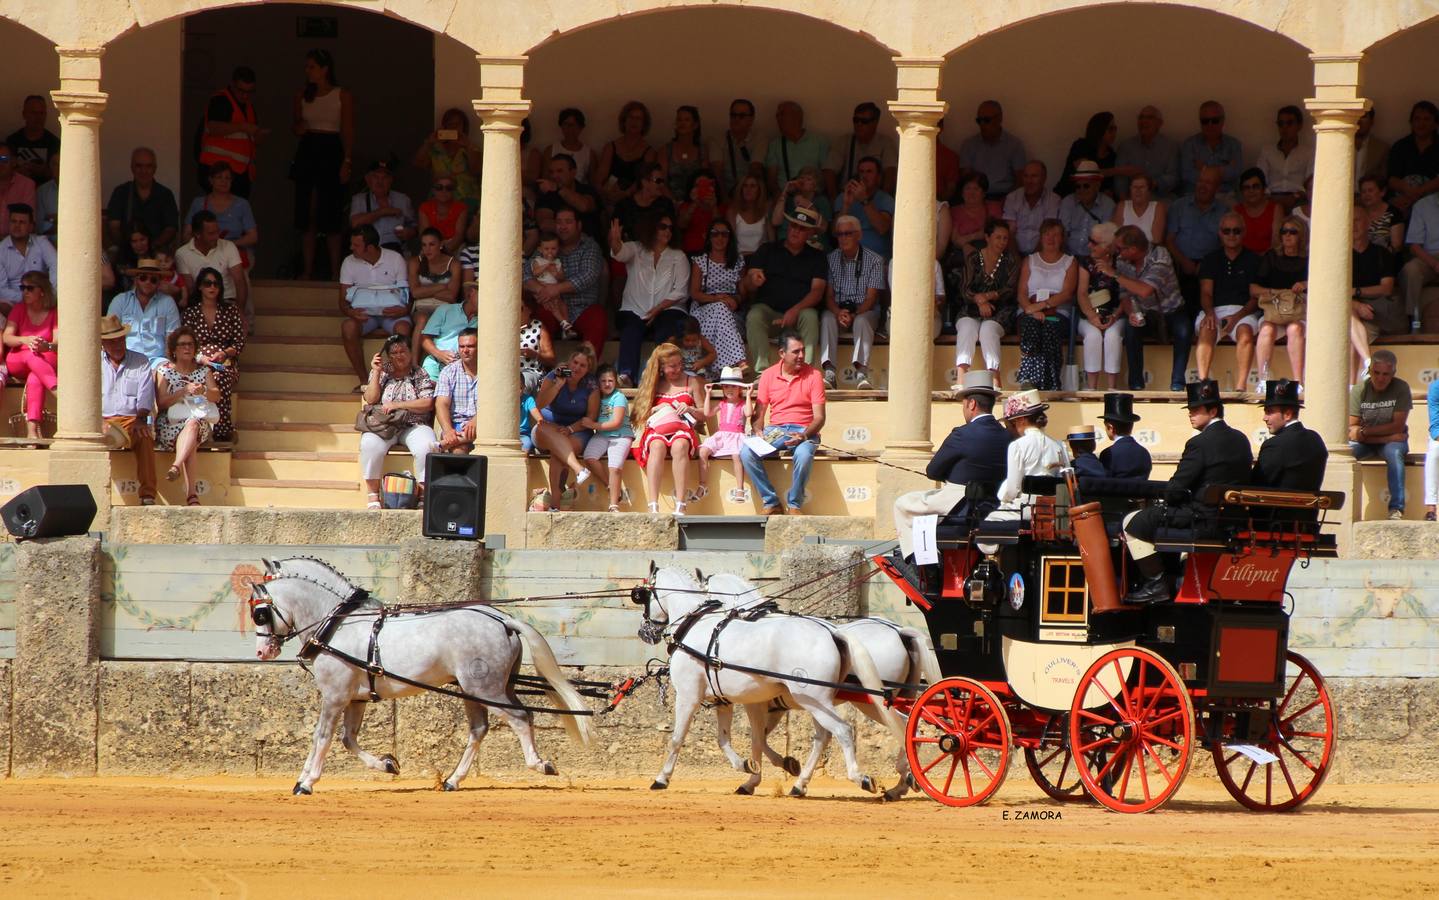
<point x="230" y="133"/>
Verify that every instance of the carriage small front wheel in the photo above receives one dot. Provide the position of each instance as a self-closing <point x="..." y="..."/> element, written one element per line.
<point x="1052" y="766"/>
<point x="1131" y="730"/>
<point x="957" y="739"/>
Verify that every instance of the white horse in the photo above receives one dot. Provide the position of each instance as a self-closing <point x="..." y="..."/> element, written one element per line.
<point x="901" y="656"/>
<point x="785" y="645"/>
<point x="477" y="647"/>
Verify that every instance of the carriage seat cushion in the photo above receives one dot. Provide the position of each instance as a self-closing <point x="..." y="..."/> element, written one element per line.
<point x="1094" y="487"/>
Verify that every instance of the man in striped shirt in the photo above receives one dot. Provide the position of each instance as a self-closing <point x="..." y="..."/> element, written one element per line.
<point x="856" y="276"/>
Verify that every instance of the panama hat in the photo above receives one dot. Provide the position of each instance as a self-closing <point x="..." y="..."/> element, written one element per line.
<point x="111" y="327"/>
<point x="803" y="216"/>
<point x="733" y="375"/>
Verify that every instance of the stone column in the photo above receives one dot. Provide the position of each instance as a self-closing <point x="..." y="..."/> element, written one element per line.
<point x="57" y="657"/>
<point x="918" y="110"/>
<point x="78" y="455"/>
<point x="501" y="109"/>
<point x="1336" y="106"/>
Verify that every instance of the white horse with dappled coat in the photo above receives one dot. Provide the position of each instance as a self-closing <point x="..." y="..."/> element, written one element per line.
<point x="776" y="649"/>
<point x="475" y="646"/>
<point x="901" y="655"/>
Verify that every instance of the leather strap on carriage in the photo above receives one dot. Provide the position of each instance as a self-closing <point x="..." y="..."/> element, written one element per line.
<point x="374" y="654"/>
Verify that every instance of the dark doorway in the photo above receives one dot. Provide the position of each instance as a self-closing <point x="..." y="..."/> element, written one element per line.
<point x="387" y="64"/>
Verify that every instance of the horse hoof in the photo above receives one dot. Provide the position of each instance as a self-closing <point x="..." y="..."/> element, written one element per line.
<point x="867" y="785"/>
<point x="750" y="768"/>
<point x="744" y="790"/>
<point x="548" y="768"/>
<point x="658" y="786"/>
<point x="447" y="786"/>
<point x="300" y="790"/>
<point x="390" y="764"/>
<point x="796" y="792"/>
<point x="791" y="766"/>
<point x="909" y="780"/>
<point x="893" y="794"/>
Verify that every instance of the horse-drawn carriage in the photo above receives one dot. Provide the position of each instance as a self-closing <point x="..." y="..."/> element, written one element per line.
<point x="1109" y="700"/>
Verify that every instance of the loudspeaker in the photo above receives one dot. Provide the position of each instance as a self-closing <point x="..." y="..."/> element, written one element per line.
<point x="455" y="496"/>
<point x="50" y="510"/>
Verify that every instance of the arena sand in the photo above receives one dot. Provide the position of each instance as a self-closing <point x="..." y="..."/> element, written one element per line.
<point x="231" y="837"/>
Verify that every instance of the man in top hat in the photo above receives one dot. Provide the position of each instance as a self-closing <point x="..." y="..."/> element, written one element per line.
<point x="149" y="313"/>
<point x="784" y="281"/>
<point x="1082" y="441"/>
<point x="1032" y="452"/>
<point x="970" y="463"/>
<point x="1293" y="458"/>
<point x="127" y="400"/>
<point x="1125" y="457"/>
<point x="1218" y="454"/>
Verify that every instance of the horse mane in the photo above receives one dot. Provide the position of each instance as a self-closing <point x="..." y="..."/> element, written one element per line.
<point x="352" y="591"/>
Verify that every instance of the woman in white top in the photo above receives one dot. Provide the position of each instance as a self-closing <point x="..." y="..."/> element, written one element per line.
<point x="572" y="122"/>
<point x="1048" y="281"/>
<point x="324" y="120"/>
<point x="1142" y="210"/>
<point x="749" y="216"/>
<point x="656" y="289"/>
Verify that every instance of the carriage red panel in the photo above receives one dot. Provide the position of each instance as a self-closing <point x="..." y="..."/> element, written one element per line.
<point x="1247" y="655"/>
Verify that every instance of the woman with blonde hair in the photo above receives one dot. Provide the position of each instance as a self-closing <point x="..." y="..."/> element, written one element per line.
<point x="665" y="412"/>
<point x="27" y="347"/>
<point x="1284" y="270"/>
<point x="749" y="215"/>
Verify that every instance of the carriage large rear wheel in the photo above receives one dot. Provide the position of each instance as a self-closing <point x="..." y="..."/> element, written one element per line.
<point x="957" y="739"/>
<point x="1301" y="736"/>
<point x="1131" y="730"/>
<point x="1052" y="766"/>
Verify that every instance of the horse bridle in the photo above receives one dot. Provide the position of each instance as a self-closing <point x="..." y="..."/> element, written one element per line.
<point x="643" y="595"/>
<point x="263" y="613"/>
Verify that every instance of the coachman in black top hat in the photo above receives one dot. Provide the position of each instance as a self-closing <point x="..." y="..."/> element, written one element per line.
<point x="1218" y="454"/>
<point x="1293" y="458"/>
<point x="1125" y="458"/>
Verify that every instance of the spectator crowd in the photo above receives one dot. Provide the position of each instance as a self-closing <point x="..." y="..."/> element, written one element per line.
<point x="719" y="249"/>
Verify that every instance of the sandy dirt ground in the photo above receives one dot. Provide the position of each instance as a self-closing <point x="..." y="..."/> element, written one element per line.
<point x="231" y="837"/>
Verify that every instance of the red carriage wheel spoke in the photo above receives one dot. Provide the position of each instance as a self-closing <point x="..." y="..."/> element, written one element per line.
<point x="973" y="735"/>
<point x="1158" y="763"/>
<point x="949" y="779"/>
<point x="1051" y="757"/>
<point x="1287" y="719"/>
<point x="937" y="760"/>
<point x="925" y="740"/>
<point x="1288" y="779"/>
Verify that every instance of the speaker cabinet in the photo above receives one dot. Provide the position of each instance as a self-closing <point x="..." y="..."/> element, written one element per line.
<point x="455" y="496"/>
<point x="49" y="510"/>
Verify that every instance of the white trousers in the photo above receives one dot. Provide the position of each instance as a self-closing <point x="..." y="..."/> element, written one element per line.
<point x="1102" y="349"/>
<point x="418" y="438"/>
<point x="936" y="502"/>
<point x="863" y="329"/>
<point x="987" y="332"/>
<point x="1431" y="474"/>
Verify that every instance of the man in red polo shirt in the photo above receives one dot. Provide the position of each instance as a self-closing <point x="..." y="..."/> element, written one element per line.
<point x="791" y="393"/>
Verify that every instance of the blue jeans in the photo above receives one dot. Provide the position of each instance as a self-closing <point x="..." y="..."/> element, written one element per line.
<point x="803" y="459"/>
<point x="1181" y="336"/>
<point x="1393" y="453"/>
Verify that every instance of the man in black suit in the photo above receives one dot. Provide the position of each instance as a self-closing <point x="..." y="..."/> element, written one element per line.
<point x="971" y="462"/>
<point x="1293" y="458"/>
<point x="1218" y="454"/>
<point x="1082" y="441"/>
<point x="1125" y="457"/>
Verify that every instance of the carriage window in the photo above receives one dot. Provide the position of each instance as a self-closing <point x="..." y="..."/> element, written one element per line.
<point x="1065" y="595"/>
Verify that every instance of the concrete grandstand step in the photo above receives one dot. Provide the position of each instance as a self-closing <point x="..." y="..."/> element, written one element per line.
<point x="272" y="296"/>
<point x="298" y="323"/>
<point x="300" y="465"/>
<point x="320" y="379"/>
<point x="297" y="436"/>
<point x="297" y="406"/>
<point x="296" y="494"/>
<point x="308" y="350"/>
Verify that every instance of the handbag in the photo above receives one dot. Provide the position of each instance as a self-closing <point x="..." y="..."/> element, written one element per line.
<point x="1283" y="307"/>
<point x="372" y="418"/>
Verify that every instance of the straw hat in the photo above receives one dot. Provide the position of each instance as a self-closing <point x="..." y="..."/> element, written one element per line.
<point x="733" y="375"/>
<point x="111" y="327"/>
<point x="1024" y="404"/>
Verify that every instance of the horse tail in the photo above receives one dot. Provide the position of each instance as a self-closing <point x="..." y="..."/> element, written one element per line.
<point x="862" y="665"/>
<point x="561" y="693"/>
<point x="922" y="660"/>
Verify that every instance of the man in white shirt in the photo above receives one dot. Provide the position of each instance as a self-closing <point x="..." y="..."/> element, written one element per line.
<point x="1287" y="162"/>
<point x="207" y="250"/>
<point x="127" y="399"/>
<point x="374" y="295"/>
<point x="1029" y="205"/>
<point x="22" y="252"/>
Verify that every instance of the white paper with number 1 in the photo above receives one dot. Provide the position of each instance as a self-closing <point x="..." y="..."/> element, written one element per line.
<point x="925" y="551"/>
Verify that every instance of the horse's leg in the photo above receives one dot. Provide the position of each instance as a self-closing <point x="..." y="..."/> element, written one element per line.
<point x="788" y="763"/>
<point x="350" y="738"/>
<point x="724" y="722"/>
<point x="687" y="701"/>
<point x="829" y="718"/>
<point x="817" y="748"/>
<point x="522" y="723"/>
<point x="479" y="719"/>
<point x="901" y="762"/>
<point x="330" y="712"/>
<point x="758" y="714"/>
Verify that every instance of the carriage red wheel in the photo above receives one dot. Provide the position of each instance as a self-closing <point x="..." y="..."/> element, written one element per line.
<point x="957" y="740"/>
<point x="1052" y="766"/>
<point x="1131" y="730"/>
<point x="1301" y="734"/>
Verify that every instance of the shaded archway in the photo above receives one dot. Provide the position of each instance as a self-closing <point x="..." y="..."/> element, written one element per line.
<point x="1395" y="76"/>
<point x="1165" y="56"/>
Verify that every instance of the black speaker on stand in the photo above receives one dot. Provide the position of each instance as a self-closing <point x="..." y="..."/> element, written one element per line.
<point x="49" y="510"/>
<point x="455" y="496"/>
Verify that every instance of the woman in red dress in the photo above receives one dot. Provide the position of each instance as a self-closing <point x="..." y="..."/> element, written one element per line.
<point x="664" y="415"/>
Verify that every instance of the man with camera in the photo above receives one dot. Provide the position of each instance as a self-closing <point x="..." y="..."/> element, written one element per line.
<point x="865" y="141"/>
<point x="865" y="200"/>
<point x="373" y="295"/>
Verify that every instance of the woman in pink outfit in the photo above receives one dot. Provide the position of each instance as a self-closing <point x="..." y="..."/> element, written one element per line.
<point x="29" y="340"/>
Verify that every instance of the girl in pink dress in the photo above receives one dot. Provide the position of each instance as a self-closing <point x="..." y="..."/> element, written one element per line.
<point x="29" y="340"/>
<point x="734" y="412"/>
